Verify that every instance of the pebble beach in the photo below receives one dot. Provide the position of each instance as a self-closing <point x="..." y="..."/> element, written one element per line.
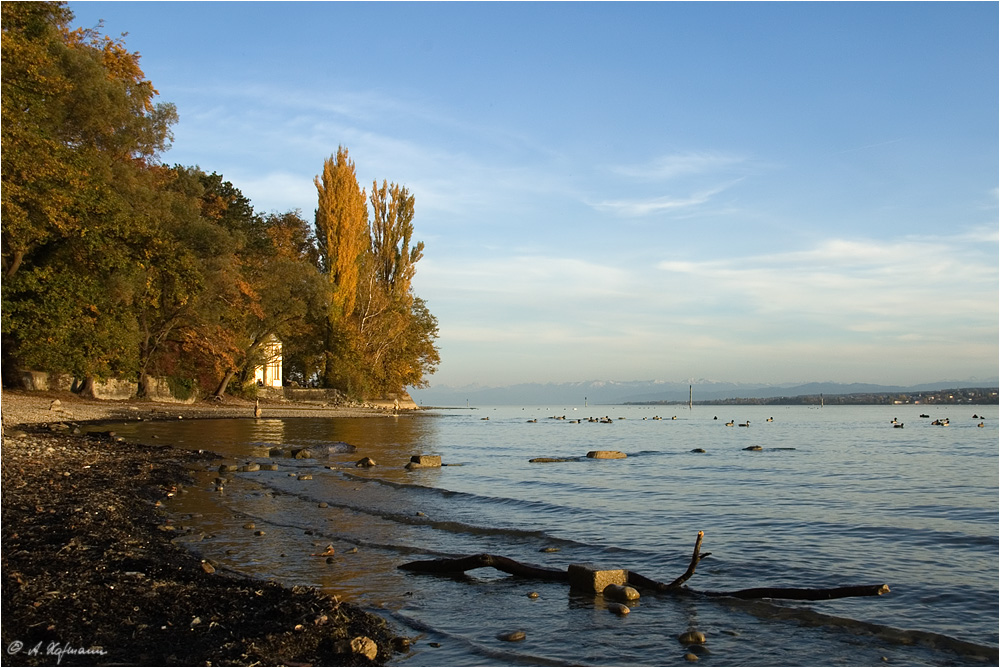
<point x="90" y="572"/>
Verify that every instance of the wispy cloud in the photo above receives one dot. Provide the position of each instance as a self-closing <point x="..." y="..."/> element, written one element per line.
<point x="680" y="183"/>
<point x="661" y="204"/>
<point x="876" y="287"/>
<point x="677" y="165"/>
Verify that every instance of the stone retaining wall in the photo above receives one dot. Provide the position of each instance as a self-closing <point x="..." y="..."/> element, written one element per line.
<point x="159" y="388"/>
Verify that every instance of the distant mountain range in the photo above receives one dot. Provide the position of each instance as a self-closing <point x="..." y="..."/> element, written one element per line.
<point x="639" y="391"/>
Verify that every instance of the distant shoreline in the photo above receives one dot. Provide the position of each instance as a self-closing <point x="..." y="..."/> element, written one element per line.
<point x="978" y="396"/>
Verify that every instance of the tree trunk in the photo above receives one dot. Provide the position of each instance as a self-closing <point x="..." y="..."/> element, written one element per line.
<point x="86" y="389"/>
<point x="224" y="383"/>
<point x="142" y="387"/>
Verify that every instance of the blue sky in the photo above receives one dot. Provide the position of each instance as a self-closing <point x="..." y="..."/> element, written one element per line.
<point x="749" y="192"/>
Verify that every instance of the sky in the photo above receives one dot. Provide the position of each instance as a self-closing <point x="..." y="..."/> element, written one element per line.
<point x="746" y="192"/>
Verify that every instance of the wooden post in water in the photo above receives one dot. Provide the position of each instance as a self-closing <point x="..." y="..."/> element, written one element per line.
<point x="690" y="396"/>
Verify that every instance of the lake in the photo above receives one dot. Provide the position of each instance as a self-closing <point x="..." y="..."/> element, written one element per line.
<point x="835" y="496"/>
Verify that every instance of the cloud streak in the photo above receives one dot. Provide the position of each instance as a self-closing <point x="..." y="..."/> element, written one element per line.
<point x="663" y="204"/>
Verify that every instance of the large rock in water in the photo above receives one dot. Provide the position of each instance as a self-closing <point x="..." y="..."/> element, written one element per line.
<point x="424" y="462"/>
<point x="606" y="454"/>
<point x="592" y="579"/>
<point x="325" y="450"/>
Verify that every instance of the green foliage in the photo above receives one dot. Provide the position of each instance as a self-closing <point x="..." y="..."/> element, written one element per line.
<point x="181" y="387"/>
<point x="116" y="266"/>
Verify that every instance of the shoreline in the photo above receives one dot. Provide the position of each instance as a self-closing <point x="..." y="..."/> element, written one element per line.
<point x="90" y="572"/>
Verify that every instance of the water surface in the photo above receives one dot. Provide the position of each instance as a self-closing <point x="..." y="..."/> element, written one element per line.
<point x="836" y="496"/>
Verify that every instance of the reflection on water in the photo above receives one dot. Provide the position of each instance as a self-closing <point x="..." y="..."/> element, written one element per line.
<point x="835" y="497"/>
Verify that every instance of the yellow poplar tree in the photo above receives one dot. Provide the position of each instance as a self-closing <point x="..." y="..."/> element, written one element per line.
<point x="342" y="232"/>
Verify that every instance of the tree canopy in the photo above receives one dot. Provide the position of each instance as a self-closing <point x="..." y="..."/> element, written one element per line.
<point x="115" y="265"/>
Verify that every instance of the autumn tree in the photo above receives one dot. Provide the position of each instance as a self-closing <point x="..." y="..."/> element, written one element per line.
<point x="341" y="231"/>
<point x="384" y="320"/>
<point x="189" y="275"/>
<point x="75" y="109"/>
<point x="79" y="129"/>
<point x="282" y="287"/>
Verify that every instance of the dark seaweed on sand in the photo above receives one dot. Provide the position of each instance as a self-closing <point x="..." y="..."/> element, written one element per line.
<point x="88" y="564"/>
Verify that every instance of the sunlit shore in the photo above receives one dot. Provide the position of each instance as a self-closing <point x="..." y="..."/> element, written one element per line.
<point x="37" y="407"/>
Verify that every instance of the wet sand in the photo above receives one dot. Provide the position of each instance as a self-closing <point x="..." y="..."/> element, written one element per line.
<point x="91" y="577"/>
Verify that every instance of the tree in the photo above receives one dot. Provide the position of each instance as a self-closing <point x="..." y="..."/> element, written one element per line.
<point x="391" y="232"/>
<point x="75" y="107"/>
<point x="391" y="331"/>
<point x="282" y="287"/>
<point x="79" y="129"/>
<point x="341" y="230"/>
<point x="189" y="271"/>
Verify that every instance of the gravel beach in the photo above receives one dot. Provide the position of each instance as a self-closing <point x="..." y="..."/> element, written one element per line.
<point x="91" y="577"/>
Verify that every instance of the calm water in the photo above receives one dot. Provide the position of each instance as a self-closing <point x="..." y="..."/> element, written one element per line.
<point x="838" y="496"/>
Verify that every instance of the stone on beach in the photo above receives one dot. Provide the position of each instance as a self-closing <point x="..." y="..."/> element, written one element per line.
<point x="364" y="646"/>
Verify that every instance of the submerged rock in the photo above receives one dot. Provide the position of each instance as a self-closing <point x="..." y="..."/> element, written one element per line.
<point x="619" y="608"/>
<point x="691" y="637"/>
<point x="621" y="592"/>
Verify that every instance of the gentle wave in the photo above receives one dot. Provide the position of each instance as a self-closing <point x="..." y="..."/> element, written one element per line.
<point x="854" y="502"/>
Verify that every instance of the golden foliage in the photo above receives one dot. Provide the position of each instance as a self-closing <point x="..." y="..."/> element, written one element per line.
<point x="342" y="225"/>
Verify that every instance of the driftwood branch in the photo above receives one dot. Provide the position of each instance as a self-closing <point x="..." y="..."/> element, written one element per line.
<point x="792" y="593"/>
<point x="507" y="565"/>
